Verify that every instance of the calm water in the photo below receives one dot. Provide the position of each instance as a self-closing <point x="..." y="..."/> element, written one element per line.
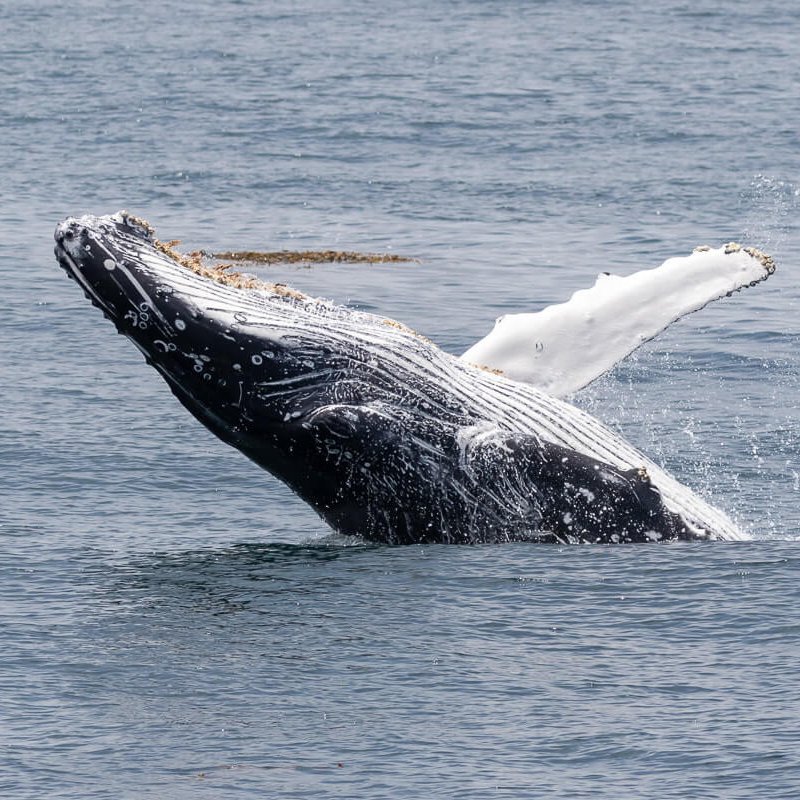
<point x="175" y="624"/>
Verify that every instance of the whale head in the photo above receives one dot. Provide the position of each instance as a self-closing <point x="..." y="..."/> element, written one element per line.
<point x="212" y="342"/>
<point x="269" y="370"/>
<point x="89" y="249"/>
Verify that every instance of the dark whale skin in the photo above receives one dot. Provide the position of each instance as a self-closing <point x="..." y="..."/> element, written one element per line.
<point x="383" y="434"/>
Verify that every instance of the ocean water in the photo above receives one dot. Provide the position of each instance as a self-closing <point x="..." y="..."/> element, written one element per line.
<point x="174" y="623"/>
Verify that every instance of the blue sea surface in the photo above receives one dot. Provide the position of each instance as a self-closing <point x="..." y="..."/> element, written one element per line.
<point x="174" y="623"/>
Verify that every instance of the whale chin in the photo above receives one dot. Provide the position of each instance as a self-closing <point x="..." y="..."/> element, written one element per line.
<point x="382" y="433"/>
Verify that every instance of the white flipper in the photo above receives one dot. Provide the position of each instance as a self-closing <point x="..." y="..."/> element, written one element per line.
<point x="565" y="347"/>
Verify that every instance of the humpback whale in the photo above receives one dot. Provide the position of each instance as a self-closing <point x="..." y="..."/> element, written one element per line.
<point x="385" y="435"/>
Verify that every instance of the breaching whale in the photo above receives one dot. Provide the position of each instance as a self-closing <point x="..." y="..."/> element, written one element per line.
<point x="385" y="435"/>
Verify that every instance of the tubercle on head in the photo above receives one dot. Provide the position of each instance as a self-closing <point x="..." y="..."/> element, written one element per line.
<point x="136" y="222"/>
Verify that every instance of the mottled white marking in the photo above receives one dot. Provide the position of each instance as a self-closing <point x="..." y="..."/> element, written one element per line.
<point x="587" y="494"/>
<point x="110" y="264"/>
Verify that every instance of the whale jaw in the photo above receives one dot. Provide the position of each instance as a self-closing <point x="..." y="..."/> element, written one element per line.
<point x="151" y="298"/>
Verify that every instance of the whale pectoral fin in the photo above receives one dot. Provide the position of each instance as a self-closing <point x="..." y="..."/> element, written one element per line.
<point x="581" y="499"/>
<point x="565" y="347"/>
<point x="509" y="486"/>
<point x="527" y="488"/>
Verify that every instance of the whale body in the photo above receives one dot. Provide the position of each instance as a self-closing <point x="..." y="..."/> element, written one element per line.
<point x="385" y="435"/>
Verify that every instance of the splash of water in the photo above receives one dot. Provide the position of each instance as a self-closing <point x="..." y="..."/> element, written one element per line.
<point x="770" y="206"/>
